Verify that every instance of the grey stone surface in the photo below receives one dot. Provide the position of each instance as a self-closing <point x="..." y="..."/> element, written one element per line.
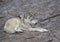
<point x="46" y="11"/>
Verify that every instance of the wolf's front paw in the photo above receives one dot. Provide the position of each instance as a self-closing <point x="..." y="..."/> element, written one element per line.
<point x="38" y="29"/>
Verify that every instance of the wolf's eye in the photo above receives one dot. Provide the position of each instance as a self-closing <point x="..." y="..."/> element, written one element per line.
<point x="34" y="21"/>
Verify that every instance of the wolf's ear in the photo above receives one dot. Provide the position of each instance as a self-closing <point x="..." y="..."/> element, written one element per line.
<point x="28" y="17"/>
<point x="19" y="16"/>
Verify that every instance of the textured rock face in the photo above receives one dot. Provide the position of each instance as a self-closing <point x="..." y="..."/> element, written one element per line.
<point x="43" y="9"/>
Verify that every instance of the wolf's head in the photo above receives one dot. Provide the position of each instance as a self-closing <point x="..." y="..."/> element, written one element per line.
<point x="29" y="19"/>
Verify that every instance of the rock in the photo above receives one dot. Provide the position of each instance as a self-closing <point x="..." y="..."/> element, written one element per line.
<point x="29" y="35"/>
<point x="57" y="34"/>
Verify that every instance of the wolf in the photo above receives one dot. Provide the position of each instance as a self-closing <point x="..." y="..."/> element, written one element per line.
<point x="20" y="24"/>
